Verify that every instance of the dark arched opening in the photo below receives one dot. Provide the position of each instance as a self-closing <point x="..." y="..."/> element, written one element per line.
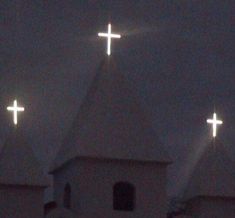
<point x="67" y="196"/>
<point x="123" y="196"/>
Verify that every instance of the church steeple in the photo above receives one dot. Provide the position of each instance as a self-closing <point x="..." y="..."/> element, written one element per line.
<point x="111" y="157"/>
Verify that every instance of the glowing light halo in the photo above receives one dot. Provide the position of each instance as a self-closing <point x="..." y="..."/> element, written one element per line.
<point x="109" y="35"/>
<point x="15" y="109"/>
<point x="214" y="123"/>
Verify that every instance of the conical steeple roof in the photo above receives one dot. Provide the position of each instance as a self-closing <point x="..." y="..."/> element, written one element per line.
<point x="213" y="174"/>
<point x="111" y="123"/>
<point x="18" y="165"/>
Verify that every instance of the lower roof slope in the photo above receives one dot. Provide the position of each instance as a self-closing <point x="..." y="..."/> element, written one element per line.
<point x="111" y="123"/>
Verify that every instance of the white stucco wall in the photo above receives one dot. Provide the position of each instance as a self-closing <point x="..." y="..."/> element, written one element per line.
<point x="92" y="187"/>
<point x="21" y="202"/>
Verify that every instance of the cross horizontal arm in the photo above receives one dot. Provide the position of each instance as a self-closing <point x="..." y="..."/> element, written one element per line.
<point x="109" y="35"/>
<point x="13" y="108"/>
<point x="215" y="121"/>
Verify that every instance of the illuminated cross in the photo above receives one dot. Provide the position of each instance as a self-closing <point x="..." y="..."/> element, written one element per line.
<point x="214" y="123"/>
<point x="109" y="37"/>
<point x="15" y="110"/>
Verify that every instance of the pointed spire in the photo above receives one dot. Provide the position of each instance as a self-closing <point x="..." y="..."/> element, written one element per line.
<point x="111" y="123"/>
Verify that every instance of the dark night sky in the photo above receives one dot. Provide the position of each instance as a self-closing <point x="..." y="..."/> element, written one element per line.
<point x="179" y="55"/>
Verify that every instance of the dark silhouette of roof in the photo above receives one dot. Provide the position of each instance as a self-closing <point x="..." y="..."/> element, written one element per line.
<point x="213" y="174"/>
<point x="18" y="165"/>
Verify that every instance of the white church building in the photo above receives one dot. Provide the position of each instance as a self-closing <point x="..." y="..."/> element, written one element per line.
<point x="111" y="165"/>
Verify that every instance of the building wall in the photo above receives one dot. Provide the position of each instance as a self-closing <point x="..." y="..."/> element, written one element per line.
<point x="21" y="202"/>
<point x="217" y="208"/>
<point x="92" y="187"/>
<point x="193" y="208"/>
<point x="213" y="208"/>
